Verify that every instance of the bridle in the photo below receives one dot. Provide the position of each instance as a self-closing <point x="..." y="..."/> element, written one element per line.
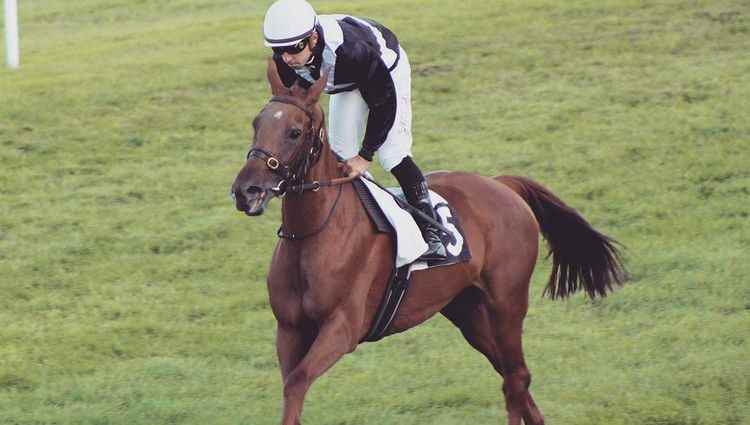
<point x="293" y="172"/>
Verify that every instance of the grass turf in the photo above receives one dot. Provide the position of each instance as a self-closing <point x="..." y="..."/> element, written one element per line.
<point x="132" y="292"/>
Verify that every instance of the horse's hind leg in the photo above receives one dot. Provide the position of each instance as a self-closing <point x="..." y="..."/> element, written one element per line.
<point x="508" y="327"/>
<point x="494" y="327"/>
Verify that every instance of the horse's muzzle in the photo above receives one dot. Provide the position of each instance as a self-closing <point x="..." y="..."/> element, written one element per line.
<point x="252" y="200"/>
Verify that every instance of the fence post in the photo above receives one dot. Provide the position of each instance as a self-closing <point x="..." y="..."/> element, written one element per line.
<point x="12" y="54"/>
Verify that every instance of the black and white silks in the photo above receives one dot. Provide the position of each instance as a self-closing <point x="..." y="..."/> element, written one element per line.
<point x="360" y="54"/>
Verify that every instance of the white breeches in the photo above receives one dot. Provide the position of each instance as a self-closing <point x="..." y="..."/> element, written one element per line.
<point x="348" y="120"/>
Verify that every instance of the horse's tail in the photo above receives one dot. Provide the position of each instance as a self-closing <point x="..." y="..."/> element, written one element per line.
<point x="581" y="256"/>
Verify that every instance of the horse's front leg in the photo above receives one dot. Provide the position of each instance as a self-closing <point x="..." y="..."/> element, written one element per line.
<point x="292" y="343"/>
<point x="334" y="339"/>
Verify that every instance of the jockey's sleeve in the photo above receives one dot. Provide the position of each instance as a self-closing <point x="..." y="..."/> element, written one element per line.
<point x="287" y="74"/>
<point x="378" y="91"/>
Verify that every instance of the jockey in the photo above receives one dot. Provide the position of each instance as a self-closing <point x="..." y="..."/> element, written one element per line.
<point x="369" y="83"/>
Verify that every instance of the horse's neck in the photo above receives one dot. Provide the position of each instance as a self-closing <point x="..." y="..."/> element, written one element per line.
<point x="305" y="213"/>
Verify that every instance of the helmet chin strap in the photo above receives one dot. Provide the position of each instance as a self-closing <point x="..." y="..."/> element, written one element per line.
<point x="313" y="38"/>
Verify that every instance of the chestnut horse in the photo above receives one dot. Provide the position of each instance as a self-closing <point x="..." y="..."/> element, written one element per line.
<point x="330" y="268"/>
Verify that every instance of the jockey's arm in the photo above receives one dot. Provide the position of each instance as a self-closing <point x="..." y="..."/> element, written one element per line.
<point x="378" y="91"/>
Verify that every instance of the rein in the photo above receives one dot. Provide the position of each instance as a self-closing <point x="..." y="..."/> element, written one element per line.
<point x="295" y="237"/>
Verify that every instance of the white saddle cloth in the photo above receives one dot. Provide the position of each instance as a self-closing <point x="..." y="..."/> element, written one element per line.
<point x="409" y="242"/>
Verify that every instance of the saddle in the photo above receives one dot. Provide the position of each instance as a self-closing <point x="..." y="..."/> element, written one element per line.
<point x="408" y="246"/>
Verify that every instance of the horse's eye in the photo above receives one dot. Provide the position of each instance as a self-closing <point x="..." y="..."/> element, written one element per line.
<point x="295" y="133"/>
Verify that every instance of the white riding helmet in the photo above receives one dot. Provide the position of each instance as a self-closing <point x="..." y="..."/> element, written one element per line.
<point x="287" y="22"/>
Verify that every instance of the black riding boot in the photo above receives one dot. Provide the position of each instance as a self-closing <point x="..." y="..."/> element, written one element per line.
<point x="414" y="186"/>
<point x="419" y="197"/>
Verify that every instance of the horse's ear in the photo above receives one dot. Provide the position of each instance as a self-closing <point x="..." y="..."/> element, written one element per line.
<point x="314" y="92"/>
<point x="277" y="86"/>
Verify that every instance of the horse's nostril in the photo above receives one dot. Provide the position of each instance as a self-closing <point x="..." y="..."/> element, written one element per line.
<point x="253" y="190"/>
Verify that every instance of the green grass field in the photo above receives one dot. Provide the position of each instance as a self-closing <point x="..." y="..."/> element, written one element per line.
<point x="132" y="292"/>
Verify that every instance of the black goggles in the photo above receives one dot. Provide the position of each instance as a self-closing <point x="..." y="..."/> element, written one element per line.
<point x="293" y="49"/>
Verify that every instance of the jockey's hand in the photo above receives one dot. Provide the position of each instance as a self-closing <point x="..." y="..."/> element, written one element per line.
<point x="357" y="166"/>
